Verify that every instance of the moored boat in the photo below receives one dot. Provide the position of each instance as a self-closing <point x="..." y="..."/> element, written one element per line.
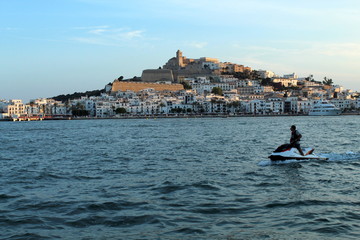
<point x="324" y="108"/>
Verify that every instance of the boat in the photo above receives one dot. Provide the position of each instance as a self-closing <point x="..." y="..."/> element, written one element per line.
<point x="324" y="108"/>
<point x="286" y="152"/>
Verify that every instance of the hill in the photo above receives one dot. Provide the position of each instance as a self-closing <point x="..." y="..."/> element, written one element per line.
<point x="65" y="98"/>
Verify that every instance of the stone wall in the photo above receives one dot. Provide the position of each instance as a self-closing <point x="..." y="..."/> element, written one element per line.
<point x="138" y="86"/>
<point x="155" y="75"/>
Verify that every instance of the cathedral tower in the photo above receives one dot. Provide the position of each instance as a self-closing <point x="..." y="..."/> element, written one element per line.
<point x="179" y="58"/>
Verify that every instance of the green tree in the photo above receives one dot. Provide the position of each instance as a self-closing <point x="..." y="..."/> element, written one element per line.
<point x="247" y="74"/>
<point x="217" y="91"/>
<point x="310" y="78"/>
<point x="328" y="81"/>
<point x="120" y="110"/>
<point x="186" y="85"/>
<point x="65" y="98"/>
<point x="266" y="82"/>
<point x="176" y="110"/>
<point x="80" y="112"/>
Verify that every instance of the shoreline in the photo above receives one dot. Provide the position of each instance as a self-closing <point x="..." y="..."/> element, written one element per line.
<point x="208" y="116"/>
<point x="180" y="116"/>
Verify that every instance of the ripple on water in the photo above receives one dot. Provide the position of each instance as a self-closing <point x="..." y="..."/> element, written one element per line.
<point x="177" y="179"/>
<point x="290" y="204"/>
<point x="117" y="221"/>
<point x="31" y="236"/>
<point x="94" y="207"/>
<point x="15" y="220"/>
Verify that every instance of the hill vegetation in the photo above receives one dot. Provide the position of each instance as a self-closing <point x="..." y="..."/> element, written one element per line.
<point x="65" y="98"/>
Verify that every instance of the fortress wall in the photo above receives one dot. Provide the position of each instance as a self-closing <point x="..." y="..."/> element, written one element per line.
<point x="154" y="75"/>
<point x="138" y="86"/>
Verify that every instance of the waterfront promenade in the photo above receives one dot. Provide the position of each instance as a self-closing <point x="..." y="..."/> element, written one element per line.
<point x="155" y="116"/>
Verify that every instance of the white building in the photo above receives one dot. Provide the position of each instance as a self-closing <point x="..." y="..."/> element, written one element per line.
<point x="226" y="86"/>
<point x="275" y="105"/>
<point x="232" y="95"/>
<point x="291" y="105"/>
<point x="343" y="103"/>
<point x="266" y="74"/>
<point x="257" y="107"/>
<point x="304" y="106"/>
<point x="263" y="89"/>
<point x="197" y="80"/>
<point x="286" y="82"/>
<point x="90" y="106"/>
<point x="103" y="109"/>
<point x="3" y="104"/>
<point x="357" y="103"/>
<point x="15" y="108"/>
<point x="3" y="109"/>
<point x="291" y="76"/>
<point x="306" y="83"/>
<point x="59" y="109"/>
<point x="228" y="78"/>
<point x="246" y="90"/>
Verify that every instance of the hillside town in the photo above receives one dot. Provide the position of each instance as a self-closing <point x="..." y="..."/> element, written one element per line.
<point x="192" y="87"/>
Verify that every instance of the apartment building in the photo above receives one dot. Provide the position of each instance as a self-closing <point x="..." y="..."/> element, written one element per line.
<point x="15" y="108"/>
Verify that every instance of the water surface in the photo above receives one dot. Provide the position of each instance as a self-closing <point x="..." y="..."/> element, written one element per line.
<point x="178" y="179"/>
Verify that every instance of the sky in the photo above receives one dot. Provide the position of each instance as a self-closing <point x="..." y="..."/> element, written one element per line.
<point x="53" y="47"/>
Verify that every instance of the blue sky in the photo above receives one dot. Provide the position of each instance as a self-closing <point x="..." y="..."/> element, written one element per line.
<point x="52" y="47"/>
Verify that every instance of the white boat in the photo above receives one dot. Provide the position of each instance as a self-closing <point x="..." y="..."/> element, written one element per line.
<point x="324" y="108"/>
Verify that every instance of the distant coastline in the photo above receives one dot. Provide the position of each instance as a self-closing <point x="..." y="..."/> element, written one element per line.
<point x="206" y="116"/>
<point x="174" y="116"/>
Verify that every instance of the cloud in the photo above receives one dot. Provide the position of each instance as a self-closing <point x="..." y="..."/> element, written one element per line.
<point x="340" y="49"/>
<point x="108" y="36"/>
<point x="132" y="34"/>
<point x="97" y="31"/>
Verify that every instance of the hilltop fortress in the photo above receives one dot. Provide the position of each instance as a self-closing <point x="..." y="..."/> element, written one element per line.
<point x="180" y="67"/>
<point x="175" y="70"/>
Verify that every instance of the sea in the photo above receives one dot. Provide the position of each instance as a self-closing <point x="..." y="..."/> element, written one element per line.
<point x="179" y="178"/>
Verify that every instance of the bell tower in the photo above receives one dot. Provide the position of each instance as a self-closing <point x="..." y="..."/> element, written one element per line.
<point x="179" y="58"/>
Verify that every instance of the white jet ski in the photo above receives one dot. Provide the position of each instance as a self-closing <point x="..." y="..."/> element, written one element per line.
<point x="285" y="152"/>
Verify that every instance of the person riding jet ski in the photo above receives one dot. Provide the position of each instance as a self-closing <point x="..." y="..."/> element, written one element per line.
<point x="293" y="150"/>
<point x="295" y="139"/>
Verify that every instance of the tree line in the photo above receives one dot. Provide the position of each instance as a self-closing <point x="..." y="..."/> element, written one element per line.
<point x="76" y="95"/>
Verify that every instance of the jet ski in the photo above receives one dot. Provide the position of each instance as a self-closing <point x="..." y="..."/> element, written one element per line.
<point x="285" y="152"/>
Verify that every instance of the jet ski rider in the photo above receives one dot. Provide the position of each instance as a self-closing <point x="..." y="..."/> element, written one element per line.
<point x="295" y="139"/>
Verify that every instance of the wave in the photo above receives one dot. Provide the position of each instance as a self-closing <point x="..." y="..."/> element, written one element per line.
<point x="49" y="176"/>
<point x="265" y="163"/>
<point x="207" y="209"/>
<point x="105" y="206"/>
<point x="190" y="231"/>
<point x="277" y="204"/>
<point x="338" y="157"/>
<point x="169" y="187"/>
<point x="21" y="220"/>
<point x="6" y="196"/>
<point x="30" y="236"/>
<point x="332" y="157"/>
<point x="118" y="221"/>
